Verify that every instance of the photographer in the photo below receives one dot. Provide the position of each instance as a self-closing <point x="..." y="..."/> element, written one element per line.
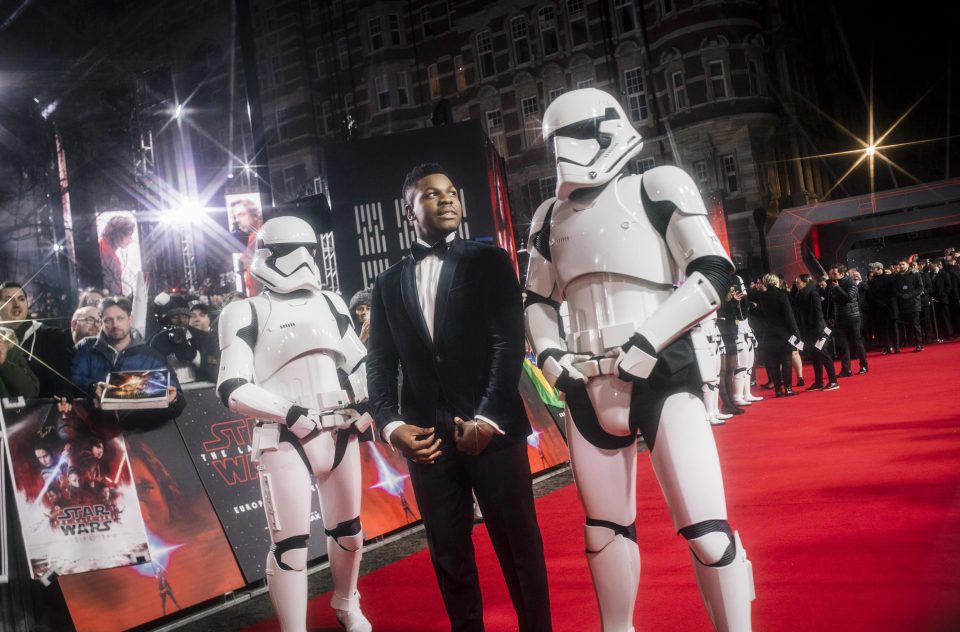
<point x="180" y="343"/>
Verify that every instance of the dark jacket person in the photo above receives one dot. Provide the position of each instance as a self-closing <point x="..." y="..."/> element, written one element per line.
<point x="448" y="320"/>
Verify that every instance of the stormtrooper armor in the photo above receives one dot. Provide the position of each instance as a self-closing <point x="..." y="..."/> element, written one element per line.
<point x="281" y="354"/>
<point x="612" y="248"/>
<point x="746" y="353"/>
<point x="709" y="348"/>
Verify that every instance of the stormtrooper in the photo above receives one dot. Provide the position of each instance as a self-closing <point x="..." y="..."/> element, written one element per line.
<point x="709" y="349"/>
<point x="283" y="354"/>
<point x="613" y="248"/>
<point x="746" y="350"/>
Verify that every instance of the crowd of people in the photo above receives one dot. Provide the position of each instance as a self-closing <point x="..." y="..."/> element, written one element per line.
<point x="179" y="332"/>
<point x="839" y="316"/>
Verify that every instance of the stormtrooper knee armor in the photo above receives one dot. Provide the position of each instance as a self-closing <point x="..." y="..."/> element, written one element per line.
<point x="614" y="249"/>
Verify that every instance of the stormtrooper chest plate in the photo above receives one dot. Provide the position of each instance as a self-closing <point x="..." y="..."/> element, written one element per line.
<point x="293" y="328"/>
<point x="612" y="236"/>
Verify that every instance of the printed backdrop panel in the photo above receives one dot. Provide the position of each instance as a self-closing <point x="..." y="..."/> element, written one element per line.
<point x="74" y="490"/>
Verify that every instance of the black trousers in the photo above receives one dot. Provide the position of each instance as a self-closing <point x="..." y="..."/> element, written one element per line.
<point x="911" y="323"/>
<point x="888" y="335"/>
<point x="847" y="335"/>
<point x="821" y="360"/>
<point x="778" y="362"/>
<point x="941" y="312"/>
<point x="500" y="478"/>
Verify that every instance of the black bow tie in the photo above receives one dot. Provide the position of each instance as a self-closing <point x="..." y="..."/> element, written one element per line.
<point x="419" y="251"/>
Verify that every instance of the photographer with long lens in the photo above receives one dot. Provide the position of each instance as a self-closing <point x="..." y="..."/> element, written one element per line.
<point x="180" y="343"/>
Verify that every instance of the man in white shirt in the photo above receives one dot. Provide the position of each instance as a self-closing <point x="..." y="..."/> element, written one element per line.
<point x="449" y="318"/>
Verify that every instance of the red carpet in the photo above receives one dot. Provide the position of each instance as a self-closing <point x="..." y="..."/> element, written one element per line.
<point x="848" y="504"/>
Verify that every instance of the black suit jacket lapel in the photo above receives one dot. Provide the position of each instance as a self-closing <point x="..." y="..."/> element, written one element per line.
<point x="447" y="273"/>
<point x="411" y="300"/>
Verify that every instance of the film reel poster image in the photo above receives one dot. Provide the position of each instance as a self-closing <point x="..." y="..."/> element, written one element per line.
<point x="191" y="560"/>
<point x="74" y="490"/>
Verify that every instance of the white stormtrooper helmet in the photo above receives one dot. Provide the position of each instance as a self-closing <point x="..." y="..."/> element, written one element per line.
<point x="592" y="138"/>
<point x="284" y="260"/>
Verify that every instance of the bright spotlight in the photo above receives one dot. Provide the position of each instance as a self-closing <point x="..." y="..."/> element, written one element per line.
<point x="870" y="150"/>
<point x="178" y="112"/>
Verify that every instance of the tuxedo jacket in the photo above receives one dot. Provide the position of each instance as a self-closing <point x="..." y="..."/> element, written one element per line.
<point x="472" y="366"/>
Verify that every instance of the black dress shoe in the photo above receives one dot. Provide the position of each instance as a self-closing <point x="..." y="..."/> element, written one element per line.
<point x="800" y="381"/>
<point x="862" y="371"/>
<point x="886" y="352"/>
<point x="816" y="386"/>
<point x="844" y="374"/>
<point x="790" y="392"/>
<point x="918" y="349"/>
<point x="733" y="410"/>
<point x="781" y="393"/>
<point x="832" y="386"/>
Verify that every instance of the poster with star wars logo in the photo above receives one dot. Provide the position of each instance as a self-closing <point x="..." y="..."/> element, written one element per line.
<point x="191" y="559"/>
<point x="74" y="490"/>
<point x="218" y="441"/>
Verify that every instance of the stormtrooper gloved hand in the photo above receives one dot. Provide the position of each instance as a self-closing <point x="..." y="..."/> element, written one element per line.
<point x="302" y="421"/>
<point x="559" y="370"/>
<point x="636" y="359"/>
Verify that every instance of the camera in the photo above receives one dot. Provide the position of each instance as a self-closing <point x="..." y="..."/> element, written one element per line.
<point x="176" y="335"/>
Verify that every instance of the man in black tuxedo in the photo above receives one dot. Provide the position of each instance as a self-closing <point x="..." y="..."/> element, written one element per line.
<point x="449" y="318"/>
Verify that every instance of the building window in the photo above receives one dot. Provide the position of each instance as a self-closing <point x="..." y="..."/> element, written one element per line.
<point x="577" y="16"/>
<point x="548" y="187"/>
<point x="452" y="13"/>
<point x="645" y="164"/>
<point x="753" y="76"/>
<point x="433" y="78"/>
<point x="347" y="103"/>
<point x="586" y="83"/>
<point x="485" y="55"/>
<point x="343" y="55"/>
<point x="290" y="181"/>
<point x="626" y="16"/>
<point x="336" y="7"/>
<point x="426" y="23"/>
<point x="521" y="41"/>
<point x="382" y="88"/>
<point x="460" y="72"/>
<point x="666" y="7"/>
<point x="730" y="173"/>
<point x="276" y="70"/>
<point x="679" y="91"/>
<point x="636" y="94"/>
<point x="494" y="122"/>
<point x="700" y="172"/>
<point x="718" y="80"/>
<point x="403" y="97"/>
<point x="394" y="29"/>
<point x="283" y="119"/>
<point x="530" y="115"/>
<point x="553" y="94"/>
<point x="547" y="19"/>
<point x="319" y="57"/>
<point x="375" y="29"/>
<point x="327" y="116"/>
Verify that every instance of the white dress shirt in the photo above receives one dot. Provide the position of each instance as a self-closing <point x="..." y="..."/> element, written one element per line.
<point x="427" y="273"/>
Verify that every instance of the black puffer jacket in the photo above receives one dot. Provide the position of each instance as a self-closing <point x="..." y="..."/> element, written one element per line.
<point x="845" y="302"/>
<point x="909" y="287"/>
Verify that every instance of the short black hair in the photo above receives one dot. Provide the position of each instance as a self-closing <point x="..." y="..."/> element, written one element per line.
<point x="839" y="267"/>
<point x="115" y="301"/>
<point x="805" y="278"/>
<point x="200" y="307"/>
<point x="420" y="171"/>
<point x="9" y="284"/>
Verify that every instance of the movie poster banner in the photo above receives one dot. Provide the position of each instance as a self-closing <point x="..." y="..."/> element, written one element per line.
<point x="191" y="558"/>
<point x="74" y="490"/>
<point x="546" y="446"/>
<point x="218" y="442"/>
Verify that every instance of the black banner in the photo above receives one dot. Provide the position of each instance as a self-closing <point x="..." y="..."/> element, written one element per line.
<point x="218" y="442"/>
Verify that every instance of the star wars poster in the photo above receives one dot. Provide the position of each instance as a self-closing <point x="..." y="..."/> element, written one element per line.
<point x="191" y="558"/>
<point x="74" y="490"/>
<point x="218" y="441"/>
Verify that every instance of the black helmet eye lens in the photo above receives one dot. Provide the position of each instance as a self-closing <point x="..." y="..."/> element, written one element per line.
<point x="581" y="130"/>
